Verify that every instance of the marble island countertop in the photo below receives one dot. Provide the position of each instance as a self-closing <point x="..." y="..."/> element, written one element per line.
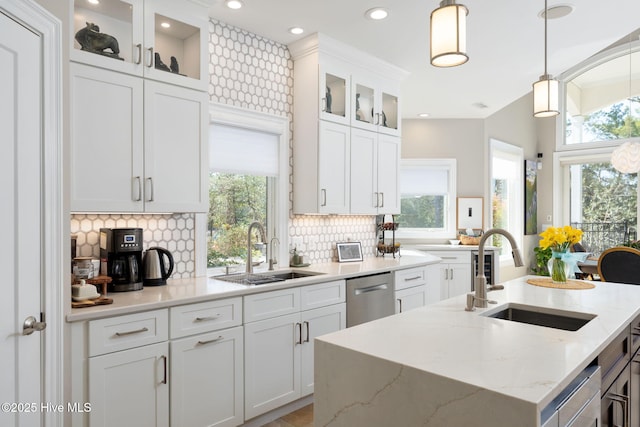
<point x="194" y="290"/>
<point x="443" y="366"/>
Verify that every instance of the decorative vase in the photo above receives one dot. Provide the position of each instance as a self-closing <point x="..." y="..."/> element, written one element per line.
<point x="559" y="269"/>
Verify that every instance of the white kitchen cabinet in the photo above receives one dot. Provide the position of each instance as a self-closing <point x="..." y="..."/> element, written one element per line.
<point x="206" y="379"/>
<point x="325" y="164"/>
<point x="415" y="288"/>
<point x="375" y="160"/>
<point x="128" y="370"/>
<point x="455" y="273"/>
<point x="207" y="364"/>
<point x="140" y="31"/>
<point x="279" y="341"/>
<point x="136" y="145"/>
<point x="376" y="105"/>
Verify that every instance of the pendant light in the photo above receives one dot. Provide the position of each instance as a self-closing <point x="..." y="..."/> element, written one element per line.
<point x="545" y="90"/>
<point x="449" y="34"/>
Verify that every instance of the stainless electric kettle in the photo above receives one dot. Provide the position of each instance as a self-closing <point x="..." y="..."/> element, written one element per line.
<point x="155" y="270"/>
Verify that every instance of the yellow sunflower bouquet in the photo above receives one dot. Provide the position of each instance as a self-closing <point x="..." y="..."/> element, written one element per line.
<point x="559" y="240"/>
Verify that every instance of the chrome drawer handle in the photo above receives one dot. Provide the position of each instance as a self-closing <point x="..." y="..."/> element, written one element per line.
<point x="407" y="279"/>
<point x="624" y="402"/>
<point x="137" y="331"/>
<point x="207" y="318"/>
<point x="220" y="337"/>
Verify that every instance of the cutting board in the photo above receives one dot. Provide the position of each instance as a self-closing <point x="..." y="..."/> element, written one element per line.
<point x="91" y="302"/>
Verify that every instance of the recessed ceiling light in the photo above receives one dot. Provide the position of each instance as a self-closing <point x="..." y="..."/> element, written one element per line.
<point x="557" y="11"/>
<point x="377" y="13"/>
<point x="165" y="25"/>
<point x="234" y="4"/>
<point x="93" y="1"/>
<point x="423" y="115"/>
<point x="296" y="30"/>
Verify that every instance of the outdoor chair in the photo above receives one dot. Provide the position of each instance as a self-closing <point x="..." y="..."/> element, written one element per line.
<point x="620" y="264"/>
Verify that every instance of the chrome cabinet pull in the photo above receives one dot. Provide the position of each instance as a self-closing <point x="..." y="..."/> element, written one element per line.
<point x="400" y="305"/>
<point x="205" y="342"/>
<point x="324" y="197"/>
<point x="150" y="63"/>
<point x="164" y="379"/>
<point x="207" y="318"/>
<point x="451" y="273"/>
<point x="135" y="331"/>
<point x="307" y="326"/>
<point x="139" y="47"/>
<point x="446" y="274"/>
<point x="299" y="326"/>
<point x="323" y="107"/>
<point x="382" y="197"/>
<point x="151" y="196"/>
<point x="377" y="202"/>
<point x="139" y="181"/>
<point x="408" y="279"/>
<point x="624" y="402"/>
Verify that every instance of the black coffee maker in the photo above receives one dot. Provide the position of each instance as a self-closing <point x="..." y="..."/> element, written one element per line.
<point x="121" y="258"/>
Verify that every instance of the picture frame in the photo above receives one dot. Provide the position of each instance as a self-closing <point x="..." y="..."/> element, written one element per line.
<point x="470" y="213"/>
<point x="349" y="251"/>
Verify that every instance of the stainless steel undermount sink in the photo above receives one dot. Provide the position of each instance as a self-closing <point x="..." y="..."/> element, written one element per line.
<point x="541" y="316"/>
<point x="265" y="278"/>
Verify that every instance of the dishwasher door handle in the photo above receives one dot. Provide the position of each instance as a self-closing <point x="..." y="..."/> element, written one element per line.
<point x="374" y="288"/>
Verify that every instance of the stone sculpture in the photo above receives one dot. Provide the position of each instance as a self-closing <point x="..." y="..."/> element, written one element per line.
<point x="92" y="40"/>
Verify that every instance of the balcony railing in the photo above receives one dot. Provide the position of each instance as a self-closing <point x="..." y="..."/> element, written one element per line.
<point x="598" y="236"/>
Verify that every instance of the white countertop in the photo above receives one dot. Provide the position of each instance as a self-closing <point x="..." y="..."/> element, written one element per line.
<point x="187" y="291"/>
<point x="527" y="362"/>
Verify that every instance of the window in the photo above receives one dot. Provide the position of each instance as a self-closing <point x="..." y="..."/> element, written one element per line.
<point x="248" y="181"/>
<point x="427" y="199"/>
<point x="507" y="201"/>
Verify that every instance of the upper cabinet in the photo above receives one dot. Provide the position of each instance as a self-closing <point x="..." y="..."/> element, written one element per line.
<point x="162" y="40"/>
<point x="339" y="92"/>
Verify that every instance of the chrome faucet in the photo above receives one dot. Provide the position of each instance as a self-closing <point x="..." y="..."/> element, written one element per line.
<point x="262" y="236"/>
<point x="479" y="299"/>
<point x="272" y="257"/>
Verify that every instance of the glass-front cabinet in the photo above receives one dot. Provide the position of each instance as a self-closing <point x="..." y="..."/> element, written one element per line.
<point x="334" y="94"/>
<point x="375" y="107"/>
<point x="161" y="40"/>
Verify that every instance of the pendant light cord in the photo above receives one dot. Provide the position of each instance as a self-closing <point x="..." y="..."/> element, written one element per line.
<point x="545" y="37"/>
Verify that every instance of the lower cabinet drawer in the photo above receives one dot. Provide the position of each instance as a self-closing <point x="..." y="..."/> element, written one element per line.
<point x="271" y="304"/>
<point x="409" y="278"/>
<point x="128" y="331"/>
<point x="614" y="358"/>
<point x="203" y="317"/>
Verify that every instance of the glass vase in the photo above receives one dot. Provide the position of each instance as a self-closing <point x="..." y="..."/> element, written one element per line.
<point x="559" y="269"/>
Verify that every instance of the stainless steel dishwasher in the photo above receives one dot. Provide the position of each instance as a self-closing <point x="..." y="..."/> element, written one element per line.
<point x="369" y="298"/>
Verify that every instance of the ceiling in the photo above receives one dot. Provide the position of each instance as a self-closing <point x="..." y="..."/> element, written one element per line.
<point x="505" y="43"/>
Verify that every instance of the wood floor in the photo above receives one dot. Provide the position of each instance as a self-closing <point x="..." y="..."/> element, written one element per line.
<point x="303" y="417"/>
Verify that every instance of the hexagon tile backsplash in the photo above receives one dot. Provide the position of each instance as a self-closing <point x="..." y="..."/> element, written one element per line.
<point x="174" y="232"/>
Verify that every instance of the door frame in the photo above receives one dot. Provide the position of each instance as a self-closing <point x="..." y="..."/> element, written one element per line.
<point x="48" y="27"/>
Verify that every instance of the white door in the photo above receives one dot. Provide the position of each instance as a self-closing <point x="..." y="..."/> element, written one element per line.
<point x="20" y="214"/>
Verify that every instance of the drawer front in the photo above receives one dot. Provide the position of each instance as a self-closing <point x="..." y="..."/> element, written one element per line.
<point x="454" y="257"/>
<point x="322" y="294"/>
<point x="614" y="358"/>
<point x="271" y="304"/>
<point x="129" y="331"/>
<point x="205" y="317"/>
<point x="409" y="278"/>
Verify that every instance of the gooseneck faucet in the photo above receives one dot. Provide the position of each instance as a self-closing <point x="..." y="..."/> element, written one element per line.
<point x="272" y="255"/>
<point x="480" y="283"/>
<point x="262" y="236"/>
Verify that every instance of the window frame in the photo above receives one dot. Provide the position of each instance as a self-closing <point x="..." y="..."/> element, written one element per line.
<point x="450" y="232"/>
<point x="278" y="212"/>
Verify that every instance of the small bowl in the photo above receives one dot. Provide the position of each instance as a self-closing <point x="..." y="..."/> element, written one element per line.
<point x="454" y="242"/>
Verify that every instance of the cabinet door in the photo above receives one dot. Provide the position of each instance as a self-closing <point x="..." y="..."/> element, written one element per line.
<point x="106" y="141"/>
<point x="615" y="401"/>
<point x="130" y="388"/>
<point x="364" y="167"/>
<point x="319" y="321"/>
<point x="334" y="93"/>
<point x="408" y="299"/>
<point x="388" y="172"/>
<point x="176" y="44"/>
<point x="389" y="120"/>
<point x="206" y="379"/>
<point x="175" y="150"/>
<point x="459" y="279"/>
<point x="364" y="95"/>
<point x="333" y="168"/>
<point x="271" y="363"/>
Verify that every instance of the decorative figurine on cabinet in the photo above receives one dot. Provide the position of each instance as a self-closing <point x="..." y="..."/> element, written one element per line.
<point x="92" y="40"/>
<point x="159" y="64"/>
<point x="174" y="67"/>
<point x="358" y="111"/>
<point x="329" y="99"/>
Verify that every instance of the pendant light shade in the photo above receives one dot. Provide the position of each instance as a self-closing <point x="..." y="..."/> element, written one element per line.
<point x="626" y="158"/>
<point x="449" y="34"/>
<point x="545" y="90"/>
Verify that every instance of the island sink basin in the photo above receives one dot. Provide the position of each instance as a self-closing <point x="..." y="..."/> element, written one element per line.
<point x="541" y="316"/>
<point x="265" y="278"/>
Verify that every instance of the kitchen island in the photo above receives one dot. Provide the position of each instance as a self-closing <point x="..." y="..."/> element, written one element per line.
<point x="443" y="366"/>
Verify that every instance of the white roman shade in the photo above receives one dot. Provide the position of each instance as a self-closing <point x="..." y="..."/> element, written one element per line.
<point x="418" y="182"/>
<point x="242" y="151"/>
